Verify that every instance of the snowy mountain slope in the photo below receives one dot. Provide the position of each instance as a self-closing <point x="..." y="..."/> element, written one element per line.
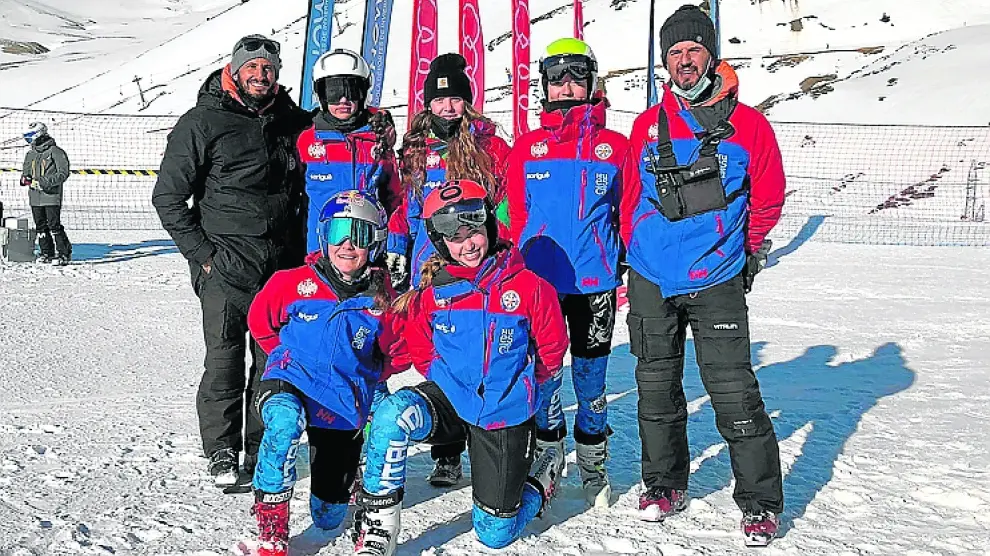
<point x="882" y="424"/>
<point x="175" y="70"/>
<point x="84" y="39"/>
<point x="931" y="80"/>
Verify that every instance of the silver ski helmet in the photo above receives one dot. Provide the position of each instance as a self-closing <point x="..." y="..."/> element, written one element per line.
<point x="355" y="216"/>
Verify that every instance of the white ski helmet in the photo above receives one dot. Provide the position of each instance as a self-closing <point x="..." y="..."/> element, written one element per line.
<point x="345" y="64"/>
<point x="35" y="130"/>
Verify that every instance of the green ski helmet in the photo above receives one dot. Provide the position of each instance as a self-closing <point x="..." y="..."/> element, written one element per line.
<point x="572" y="57"/>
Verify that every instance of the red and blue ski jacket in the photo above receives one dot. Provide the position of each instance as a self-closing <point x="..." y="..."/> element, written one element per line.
<point x="697" y="252"/>
<point x="406" y="228"/>
<point x="337" y="162"/>
<point x="565" y="190"/>
<point x="489" y="340"/>
<point x="333" y="351"/>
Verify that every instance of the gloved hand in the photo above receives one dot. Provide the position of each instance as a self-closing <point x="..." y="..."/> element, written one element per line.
<point x="755" y="262"/>
<point x="397" y="268"/>
<point x="26" y="181"/>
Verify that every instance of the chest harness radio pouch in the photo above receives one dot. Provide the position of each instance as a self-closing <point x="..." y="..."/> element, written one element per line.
<point x="689" y="190"/>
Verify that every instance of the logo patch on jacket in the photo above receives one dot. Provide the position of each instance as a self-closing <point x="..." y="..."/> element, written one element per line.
<point x="505" y="341"/>
<point x="603" y="151"/>
<point x="317" y="150"/>
<point x="360" y="337"/>
<point x="433" y="160"/>
<point x="306" y="288"/>
<point x="510" y="300"/>
<point x="654" y="131"/>
<point x="307" y="317"/>
<point x="539" y="150"/>
<point x="538" y="176"/>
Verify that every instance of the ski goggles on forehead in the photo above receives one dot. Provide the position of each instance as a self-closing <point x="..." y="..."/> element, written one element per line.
<point x="578" y="67"/>
<point x="253" y="45"/>
<point x="470" y="212"/>
<point x="350" y="88"/>
<point x="360" y="232"/>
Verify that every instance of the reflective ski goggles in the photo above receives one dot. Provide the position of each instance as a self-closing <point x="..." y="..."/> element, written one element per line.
<point x="253" y="45"/>
<point x="360" y="232"/>
<point x="469" y="212"/>
<point x="30" y="137"/>
<point x="578" y="67"/>
<point x="351" y="88"/>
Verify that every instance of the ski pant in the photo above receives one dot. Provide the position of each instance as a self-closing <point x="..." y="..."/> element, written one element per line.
<point x="590" y="324"/>
<point x="333" y="454"/>
<point x="504" y="501"/>
<point x="225" y="386"/>
<point x="719" y="322"/>
<point x="51" y="233"/>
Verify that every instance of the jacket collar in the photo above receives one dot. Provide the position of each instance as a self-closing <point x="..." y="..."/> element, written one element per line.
<point x="504" y="264"/>
<point x="576" y="122"/>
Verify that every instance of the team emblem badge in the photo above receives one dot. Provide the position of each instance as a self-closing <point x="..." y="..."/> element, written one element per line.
<point x="433" y="160"/>
<point x="317" y="150"/>
<point x="654" y="131"/>
<point x="510" y="300"/>
<point x="306" y="288"/>
<point x="539" y="150"/>
<point x="603" y="151"/>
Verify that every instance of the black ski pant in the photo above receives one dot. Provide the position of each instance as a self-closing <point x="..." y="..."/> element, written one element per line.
<point x="51" y="233"/>
<point x="226" y="384"/>
<point x="719" y="322"/>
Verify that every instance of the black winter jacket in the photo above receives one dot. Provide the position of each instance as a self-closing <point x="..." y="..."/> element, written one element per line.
<point x="242" y="173"/>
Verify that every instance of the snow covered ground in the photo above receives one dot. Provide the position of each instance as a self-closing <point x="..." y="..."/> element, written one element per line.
<point x="872" y="362"/>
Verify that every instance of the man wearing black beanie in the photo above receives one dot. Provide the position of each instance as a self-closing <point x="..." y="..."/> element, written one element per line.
<point x="710" y="187"/>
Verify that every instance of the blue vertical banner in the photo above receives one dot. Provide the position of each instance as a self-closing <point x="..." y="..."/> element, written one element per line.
<point x="651" y="78"/>
<point x="318" y="33"/>
<point x="717" y="22"/>
<point x="377" y="21"/>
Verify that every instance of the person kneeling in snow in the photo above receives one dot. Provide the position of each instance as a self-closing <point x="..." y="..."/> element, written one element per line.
<point x="486" y="333"/>
<point x="331" y="338"/>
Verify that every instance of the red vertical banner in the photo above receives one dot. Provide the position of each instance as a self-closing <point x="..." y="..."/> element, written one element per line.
<point x="424" y="50"/>
<point x="578" y="20"/>
<point x="473" y="49"/>
<point x="520" y="67"/>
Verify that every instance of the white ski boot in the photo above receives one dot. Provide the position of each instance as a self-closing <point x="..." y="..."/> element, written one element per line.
<point x="377" y="524"/>
<point x="594" y="477"/>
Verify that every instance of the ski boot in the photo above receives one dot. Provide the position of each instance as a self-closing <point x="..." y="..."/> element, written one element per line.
<point x="44" y="259"/>
<point x="594" y="478"/>
<point x="377" y="524"/>
<point x="659" y="503"/>
<point x="272" y="513"/>
<point x="545" y="472"/>
<point x="223" y="467"/>
<point x="447" y="472"/>
<point x="759" y="528"/>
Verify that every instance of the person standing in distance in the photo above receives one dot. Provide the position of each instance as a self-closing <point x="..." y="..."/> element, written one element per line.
<point x="46" y="167"/>
<point x="233" y="155"/>
<point x="710" y="184"/>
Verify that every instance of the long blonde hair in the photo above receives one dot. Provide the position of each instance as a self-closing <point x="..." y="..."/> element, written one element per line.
<point x="467" y="157"/>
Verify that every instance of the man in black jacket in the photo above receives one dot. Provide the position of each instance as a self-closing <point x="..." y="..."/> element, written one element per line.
<point x="234" y="155"/>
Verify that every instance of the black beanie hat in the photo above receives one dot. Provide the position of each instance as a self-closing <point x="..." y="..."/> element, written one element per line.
<point x="688" y="23"/>
<point x="447" y="79"/>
